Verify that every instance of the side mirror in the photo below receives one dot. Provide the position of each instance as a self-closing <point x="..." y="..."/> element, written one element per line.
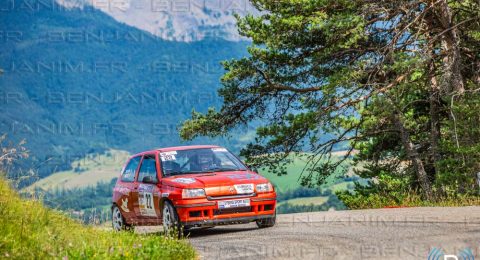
<point x="149" y="179"/>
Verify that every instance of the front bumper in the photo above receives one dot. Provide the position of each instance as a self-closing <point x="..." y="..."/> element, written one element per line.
<point x="205" y="212"/>
<point x="225" y="221"/>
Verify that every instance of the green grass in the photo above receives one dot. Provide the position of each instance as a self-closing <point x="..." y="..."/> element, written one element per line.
<point x="291" y="180"/>
<point x="90" y="171"/>
<point x="305" y="201"/>
<point x="411" y="199"/>
<point x="30" y="231"/>
<point x="341" y="186"/>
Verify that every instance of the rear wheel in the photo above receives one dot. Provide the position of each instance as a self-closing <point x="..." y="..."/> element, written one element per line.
<point x="267" y="222"/>
<point x="170" y="222"/>
<point x="118" y="221"/>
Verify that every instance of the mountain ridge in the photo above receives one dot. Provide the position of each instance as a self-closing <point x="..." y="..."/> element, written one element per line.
<point x="178" y="20"/>
<point x="70" y="96"/>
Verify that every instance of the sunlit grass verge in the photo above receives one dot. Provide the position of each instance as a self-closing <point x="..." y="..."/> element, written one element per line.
<point x="412" y="199"/>
<point x="30" y="231"/>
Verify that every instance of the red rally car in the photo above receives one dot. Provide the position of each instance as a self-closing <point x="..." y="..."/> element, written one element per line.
<point x="191" y="186"/>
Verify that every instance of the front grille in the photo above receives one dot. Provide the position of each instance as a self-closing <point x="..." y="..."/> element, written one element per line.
<point x="231" y="196"/>
<point x="232" y="210"/>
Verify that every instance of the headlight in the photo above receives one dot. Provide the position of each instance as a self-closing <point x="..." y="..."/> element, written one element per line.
<point x="193" y="193"/>
<point x="264" y="187"/>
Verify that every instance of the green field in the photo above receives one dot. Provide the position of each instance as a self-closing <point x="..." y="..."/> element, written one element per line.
<point x="31" y="231"/>
<point x="86" y="172"/>
<point x="305" y="201"/>
<point x="291" y="180"/>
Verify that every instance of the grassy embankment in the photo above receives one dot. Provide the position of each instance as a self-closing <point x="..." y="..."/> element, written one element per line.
<point x="411" y="199"/>
<point x="31" y="231"/>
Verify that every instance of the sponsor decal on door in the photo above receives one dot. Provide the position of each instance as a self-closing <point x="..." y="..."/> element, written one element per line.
<point x="145" y="200"/>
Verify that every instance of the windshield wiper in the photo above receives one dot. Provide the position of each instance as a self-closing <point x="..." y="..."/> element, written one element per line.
<point x="213" y="169"/>
<point x="218" y="169"/>
<point x="180" y="173"/>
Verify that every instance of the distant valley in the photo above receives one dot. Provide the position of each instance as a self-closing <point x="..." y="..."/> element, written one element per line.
<point x="77" y="82"/>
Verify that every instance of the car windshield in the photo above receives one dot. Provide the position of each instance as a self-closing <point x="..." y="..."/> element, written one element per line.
<point x="199" y="161"/>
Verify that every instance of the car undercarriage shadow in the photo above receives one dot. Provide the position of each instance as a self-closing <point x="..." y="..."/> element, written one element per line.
<point x="217" y="230"/>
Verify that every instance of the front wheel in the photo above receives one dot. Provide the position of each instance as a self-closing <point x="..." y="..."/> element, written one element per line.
<point x="170" y="219"/>
<point x="267" y="222"/>
<point x="118" y="221"/>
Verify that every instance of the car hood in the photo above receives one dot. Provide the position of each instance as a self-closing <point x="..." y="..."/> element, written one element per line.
<point x="215" y="183"/>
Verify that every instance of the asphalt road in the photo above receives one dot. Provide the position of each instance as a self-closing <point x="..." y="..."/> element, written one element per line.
<point x="402" y="233"/>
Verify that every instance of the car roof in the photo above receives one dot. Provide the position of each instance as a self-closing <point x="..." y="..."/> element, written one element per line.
<point x="186" y="147"/>
<point x="176" y="148"/>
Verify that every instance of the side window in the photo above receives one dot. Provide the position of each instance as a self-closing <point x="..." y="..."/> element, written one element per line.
<point x="148" y="169"/>
<point x="128" y="174"/>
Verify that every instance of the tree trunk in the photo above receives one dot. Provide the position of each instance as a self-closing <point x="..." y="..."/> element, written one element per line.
<point x="434" y="100"/>
<point x="414" y="156"/>
<point x="454" y="83"/>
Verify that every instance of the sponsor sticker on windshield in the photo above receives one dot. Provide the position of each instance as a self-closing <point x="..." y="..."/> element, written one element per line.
<point x="168" y="156"/>
<point x="219" y="149"/>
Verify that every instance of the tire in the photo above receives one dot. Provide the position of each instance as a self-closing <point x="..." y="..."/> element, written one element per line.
<point x="267" y="222"/>
<point x="118" y="221"/>
<point x="170" y="222"/>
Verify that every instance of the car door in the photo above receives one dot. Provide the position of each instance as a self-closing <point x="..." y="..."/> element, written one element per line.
<point x="147" y="191"/>
<point x="126" y="186"/>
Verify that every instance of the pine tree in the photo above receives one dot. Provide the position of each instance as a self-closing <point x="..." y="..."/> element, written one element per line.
<point x="386" y="78"/>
